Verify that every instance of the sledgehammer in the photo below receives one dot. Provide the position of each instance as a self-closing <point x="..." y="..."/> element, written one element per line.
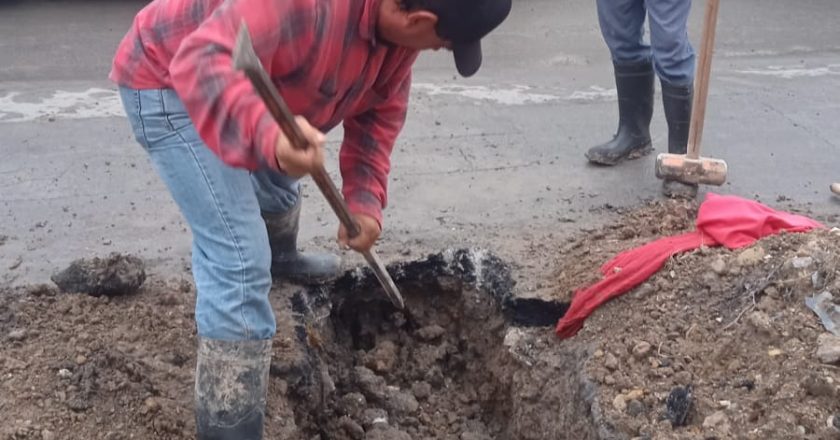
<point x="690" y="167"/>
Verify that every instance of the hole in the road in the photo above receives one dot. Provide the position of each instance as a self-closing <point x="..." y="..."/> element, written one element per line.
<point x="437" y="370"/>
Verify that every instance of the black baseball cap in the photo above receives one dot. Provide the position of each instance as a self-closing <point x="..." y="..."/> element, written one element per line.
<point x="464" y="23"/>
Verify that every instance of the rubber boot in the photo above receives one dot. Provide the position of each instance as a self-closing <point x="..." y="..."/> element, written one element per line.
<point x="231" y="380"/>
<point x="676" y="101"/>
<point x="289" y="264"/>
<point x="634" y="85"/>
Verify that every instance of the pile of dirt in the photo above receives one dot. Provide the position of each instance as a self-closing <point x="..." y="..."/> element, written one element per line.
<point x="718" y="344"/>
<point x="732" y="329"/>
<point x="578" y="260"/>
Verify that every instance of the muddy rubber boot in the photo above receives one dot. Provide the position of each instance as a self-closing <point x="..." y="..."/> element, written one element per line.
<point x="676" y="101"/>
<point x="289" y="264"/>
<point x="634" y="85"/>
<point x="231" y="380"/>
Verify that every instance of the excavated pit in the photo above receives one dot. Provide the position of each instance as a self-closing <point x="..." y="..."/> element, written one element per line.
<point x="457" y="363"/>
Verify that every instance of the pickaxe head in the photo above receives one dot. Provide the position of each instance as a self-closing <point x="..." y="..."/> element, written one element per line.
<point x="244" y="57"/>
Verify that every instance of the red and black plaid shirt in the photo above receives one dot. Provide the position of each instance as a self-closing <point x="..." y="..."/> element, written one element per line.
<point x="322" y="55"/>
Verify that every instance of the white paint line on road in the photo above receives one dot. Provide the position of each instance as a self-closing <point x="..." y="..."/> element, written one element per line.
<point x="18" y="107"/>
<point x="513" y="95"/>
<point x="788" y="72"/>
<point x="90" y="103"/>
<point x="594" y="93"/>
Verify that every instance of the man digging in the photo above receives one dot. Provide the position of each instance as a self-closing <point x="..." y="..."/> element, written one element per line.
<point x="233" y="173"/>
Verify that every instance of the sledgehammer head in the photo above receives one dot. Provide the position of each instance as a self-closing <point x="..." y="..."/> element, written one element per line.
<point x="703" y="170"/>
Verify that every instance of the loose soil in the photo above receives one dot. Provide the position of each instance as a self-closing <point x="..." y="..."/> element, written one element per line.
<point x="718" y="344"/>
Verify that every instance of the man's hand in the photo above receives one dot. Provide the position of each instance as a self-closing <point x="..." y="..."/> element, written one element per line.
<point x="298" y="163"/>
<point x="370" y="231"/>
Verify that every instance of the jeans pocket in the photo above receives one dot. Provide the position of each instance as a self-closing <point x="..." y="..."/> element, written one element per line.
<point x="174" y="111"/>
<point x="131" y="104"/>
<point x="178" y="121"/>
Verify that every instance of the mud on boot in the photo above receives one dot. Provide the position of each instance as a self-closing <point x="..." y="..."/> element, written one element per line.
<point x="231" y="380"/>
<point x="634" y="85"/>
<point x="289" y="264"/>
<point x="676" y="101"/>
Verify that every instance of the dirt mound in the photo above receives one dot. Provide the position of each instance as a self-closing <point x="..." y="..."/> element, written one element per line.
<point x="735" y="328"/>
<point x="576" y="261"/>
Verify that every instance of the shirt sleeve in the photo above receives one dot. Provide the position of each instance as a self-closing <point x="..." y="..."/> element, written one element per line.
<point x="365" y="156"/>
<point x="228" y="114"/>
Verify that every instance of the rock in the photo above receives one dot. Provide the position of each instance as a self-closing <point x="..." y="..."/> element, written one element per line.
<point x="718" y="266"/>
<point x="430" y="332"/>
<point x="751" y="256"/>
<point x="373" y="417"/>
<point x="152" y="405"/>
<point x="635" y="408"/>
<point x="610" y="362"/>
<point x="817" y="386"/>
<point x="353" y="429"/>
<point x="383" y="357"/>
<point x="760" y="321"/>
<point x="469" y="435"/>
<point x="16" y="335"/>
<point x="801" y="262"/>
<point x="372" y="386"/>
<point x="679" y="405"/>
<point x="115" y="275"/>
<point x="717" y="421"/>
<point x="403" y="403"/>
<point x="636" y="394"/>
<point x="513" y="337"/>
<point x="81" y="359"/>
<point x="421" y="390"/>
<point x="834" y="422"/>
<point x="620" y="403"/>
<point x="828" y="348"/>
<point x="46" y="434"/>
<point x="641" y="350"/>
<point x="817" y="281"/>
<point x="353" y="404"/>
<point x="387" y="433"/>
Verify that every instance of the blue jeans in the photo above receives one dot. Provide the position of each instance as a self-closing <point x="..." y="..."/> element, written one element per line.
<point x="231" y="257"/>
<point x="622" y="25"/>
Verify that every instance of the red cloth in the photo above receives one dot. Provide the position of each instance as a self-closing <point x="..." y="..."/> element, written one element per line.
<point x="323" y="56"/>
<point x="722" y="220"/>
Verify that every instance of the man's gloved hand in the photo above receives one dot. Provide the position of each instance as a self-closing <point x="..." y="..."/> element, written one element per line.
<point x="370" y="231"/>
<point x="298" y="163"/>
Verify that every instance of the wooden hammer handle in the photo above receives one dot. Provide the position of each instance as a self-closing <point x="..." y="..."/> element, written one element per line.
<point x="278" y="108"/>
<point x="704" y="69"/>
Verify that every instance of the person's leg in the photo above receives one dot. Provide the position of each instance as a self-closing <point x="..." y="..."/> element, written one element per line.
<point x="280" y="202"/>
<point x="673" y="56"/>
<point x="622" y="26"/>
<point x="674" y="63"/>
<point x="231" y="262"/>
